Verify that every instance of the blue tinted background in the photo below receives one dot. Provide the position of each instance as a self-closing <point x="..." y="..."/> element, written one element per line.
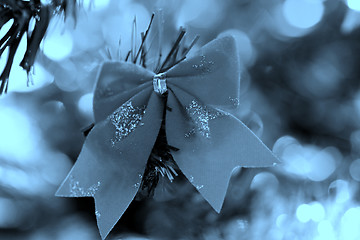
<point x="299" y="93"/>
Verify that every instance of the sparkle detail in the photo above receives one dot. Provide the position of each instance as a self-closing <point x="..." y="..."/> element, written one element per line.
<point x="198" y="187"/>
<point x="137" y="185"/>
<point x="125" y="119"/>
<point x="105" y="92"/>
<point x="201" y="115"/>
<point x="191" y="179"/>
<point x="204" y="66"/>
<point x="97" y="214"/>
<point x="235" y="101"/>
<point x="77" y="191"/>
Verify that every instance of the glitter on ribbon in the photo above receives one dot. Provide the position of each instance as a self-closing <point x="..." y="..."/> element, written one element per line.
<point x="125" y="119"/>
<point x="77" y="191"/>
<point x="198" y="187"/>
<point x="235" y="101"/>
<point x="97" y="214"/>
<point x="105" y="92"/>
<point x="201" y="115"/>
<point x="204" y="66"/>
<point x="137" y="185"/>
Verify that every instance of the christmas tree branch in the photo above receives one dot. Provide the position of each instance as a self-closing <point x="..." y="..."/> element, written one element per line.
<point x="22" y="13"/>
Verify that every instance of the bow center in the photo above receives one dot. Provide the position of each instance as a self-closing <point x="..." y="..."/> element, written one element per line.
<point x="159" y="82"/>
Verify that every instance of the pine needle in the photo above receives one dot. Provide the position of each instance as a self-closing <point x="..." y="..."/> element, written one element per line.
<point x="22" y="13"/>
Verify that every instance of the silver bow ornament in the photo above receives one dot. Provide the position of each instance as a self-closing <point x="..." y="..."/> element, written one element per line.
<point x="129" y="109"/>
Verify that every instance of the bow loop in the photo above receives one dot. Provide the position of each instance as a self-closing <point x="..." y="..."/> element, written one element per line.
<point x="212" y="75"/>
<point x="117" y="82"/>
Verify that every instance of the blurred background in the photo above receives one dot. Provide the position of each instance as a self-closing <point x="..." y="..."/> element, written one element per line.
<point x="300" y="93"/>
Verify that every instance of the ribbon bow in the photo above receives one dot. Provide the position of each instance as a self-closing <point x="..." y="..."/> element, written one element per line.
<point x="202" y="92"/>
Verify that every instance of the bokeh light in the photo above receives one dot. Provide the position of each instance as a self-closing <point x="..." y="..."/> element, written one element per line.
<point x="317" y="211"/>
<point x="303" y="13"/>
<point x="87" y="36"/>
<point x="58" y="42"/>
<point x="280" y="28"/>
<point x="117" y="28"/>
<point x="85" y="105"/>
<point x="313" y="211"/>
<point x="326" y="231"/>
<point x="281" y="220"/>
<point x="354" y="4"/>
<point x="355" y="170"/>
<point x="264" y="179"/>
<point x="341" y="189"/>
<point x="16" y="131"/>
<point x="305" y="161"/>
<point x="194" y="12"/>
<point x="304" y="213"/>
<point x="350" y="224"/>
<point x="323" y="74"/>
<point x="95" y="5"/>
<point x="66" y="76"/>
<point x="60" y="165"/>
<point x="351" y="22"/>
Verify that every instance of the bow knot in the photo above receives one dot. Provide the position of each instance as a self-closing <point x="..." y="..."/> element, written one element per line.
<point x="159" y="83"/>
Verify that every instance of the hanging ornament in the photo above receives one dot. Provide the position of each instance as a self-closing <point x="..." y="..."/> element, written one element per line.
<point x="192" y="104"/>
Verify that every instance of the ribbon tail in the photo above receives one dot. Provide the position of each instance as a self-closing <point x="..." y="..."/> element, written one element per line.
<point x="208" y="154"/>
<point x="111" y="172"/>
